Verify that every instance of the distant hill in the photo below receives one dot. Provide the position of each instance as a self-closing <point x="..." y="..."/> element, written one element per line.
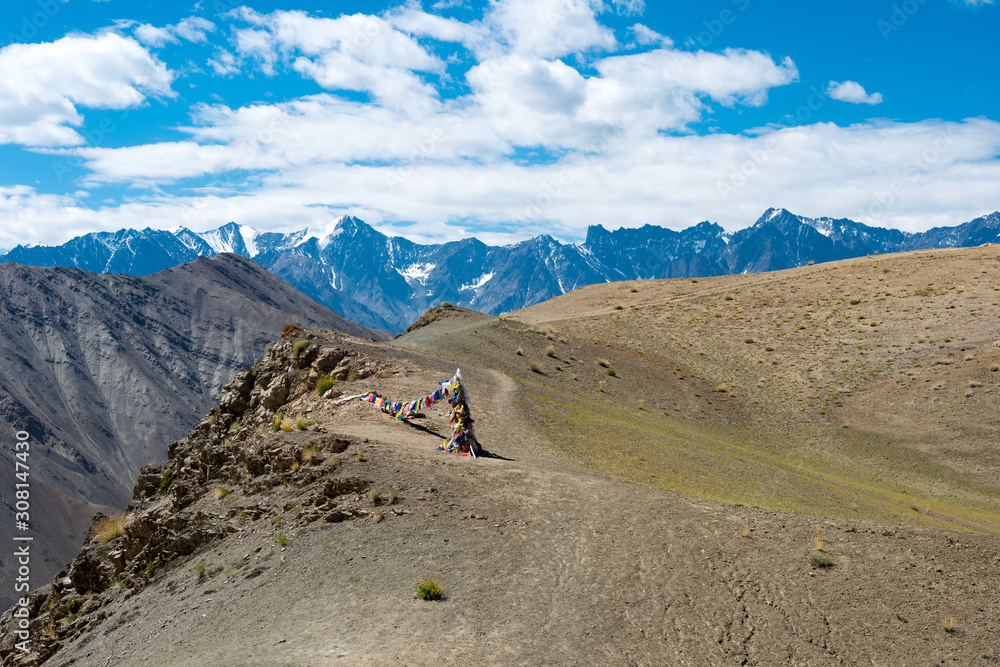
<point x="386" y="282"/>
<point x="105" y="371"/>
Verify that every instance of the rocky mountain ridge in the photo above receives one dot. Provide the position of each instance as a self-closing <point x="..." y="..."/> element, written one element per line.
<point x="386" y="282"/>
<point x="104" y="370"/>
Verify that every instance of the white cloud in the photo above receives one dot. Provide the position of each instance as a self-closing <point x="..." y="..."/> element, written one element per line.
<point x="853" y="92"/>
<point x="224" y="63"/>
<point x="629" y="7"/>
<point x="191" y="29"/>
<point x="357" y="52"/>
<point x="43" y="84"/>
<point x="645" y="36"/>
<point x="549" y="28"/>
<point x="974" y="3"/>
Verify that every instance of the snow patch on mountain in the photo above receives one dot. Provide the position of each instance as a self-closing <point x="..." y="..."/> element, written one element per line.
<point x="249" y="235"/>
<point x="479" y="282"/>
<point x="417" y="272"/>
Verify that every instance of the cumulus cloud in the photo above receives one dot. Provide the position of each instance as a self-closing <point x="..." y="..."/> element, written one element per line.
<point x="549" y="28"/>
<point x="853" y="92"/>
<point x="191" y="29"/>
<point x="359" y="52"/>
<point x="44" y="84"/>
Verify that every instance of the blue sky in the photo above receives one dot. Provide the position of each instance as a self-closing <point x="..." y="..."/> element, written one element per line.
<point x="502" y="119"/>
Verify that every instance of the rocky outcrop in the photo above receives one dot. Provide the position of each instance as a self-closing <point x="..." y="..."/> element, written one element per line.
<point x="103" y="371"/>
<point x="246" y="447"/>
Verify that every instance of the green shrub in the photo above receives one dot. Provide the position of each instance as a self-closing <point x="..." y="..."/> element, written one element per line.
<point x="535" y="368"/>
<point x="447" y="304"/>
<point x="282" y="539"/>
<point x="199" y="567"/>
<point x="551" y="351"/>
<point x="298" y="347"/>
<point x="150" y="568"/>
<point x="324" y="384"/>
<point x="612" y="372"/>
<point x="277" y="422"/>
<point x="820" y="560"/>
<point x="73" y="606"/>
<point x="429" y="589"/>
<point x="166" y="481"/>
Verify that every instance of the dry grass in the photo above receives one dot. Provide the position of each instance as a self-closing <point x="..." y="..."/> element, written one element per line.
<point x="111" y="527"/>
<point x="550" y="351"/>
<point x="795" y="385"/>
<point x="948" y="625"/>
<point x="818" y="542"/>
<point x="221" y="492"/>
<point x="359" y="456"/>
<point x="310" y="453"/>
<point x="746" y="530"/>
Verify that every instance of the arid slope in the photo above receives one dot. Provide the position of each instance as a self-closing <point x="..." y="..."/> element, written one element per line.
<point x="270" y="548"/>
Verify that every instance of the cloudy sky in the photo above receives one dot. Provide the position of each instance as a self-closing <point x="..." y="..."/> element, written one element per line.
<point x="499" y="118"/>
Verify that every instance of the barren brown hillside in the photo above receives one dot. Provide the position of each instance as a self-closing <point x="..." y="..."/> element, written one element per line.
<point x="632" y="511"/>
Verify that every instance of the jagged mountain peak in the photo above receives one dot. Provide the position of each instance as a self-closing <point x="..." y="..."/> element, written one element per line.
<point x="386" y="282"/>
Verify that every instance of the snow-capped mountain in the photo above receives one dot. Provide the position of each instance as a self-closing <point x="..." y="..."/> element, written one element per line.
<point x="386" y="282"/>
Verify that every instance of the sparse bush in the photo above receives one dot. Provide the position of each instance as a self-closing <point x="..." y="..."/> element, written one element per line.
<point x="309" y="453"/>
<point x="73" y="606"/>
<point x="519" y="352"/>
<point x="429" y="589"/>
<point x="221" y="493"/>
<point x="949" y="625"/>
<point x="359" y="456"/>
<point x="601" y="385"/>
<point x="378" y="515"/>
<point x="150" y="569"/>
<point x="604" y="362"/>
<point x="393" y="496"/>
<point x="303" y="424"/>
<point x="110" y="527"/>
<point x="324" y="384"/>
<point x="282" y="539"/>
<point x="819" y="539"/>
<point x="729" y="297"/>
<point x="289" y="328"/>
<point x="633" y="289"/>
<point x="199" y="567"/>
<point x="298" y="347"/>
<point x="618" y="306"/>
<point x="746" y="530"/>
<point x="551" y="351"/>
<point x="535" y="368"/>
<point x="611" y="372"/>
<point x="447" y="304"/>
<point x="166" y="481"/>
<point x="278" y="418"/>
<point x="276" y="520"/>
<point x="820" y="560"/>
<point x="352" y="376"/>
<point x="374" y="496"/>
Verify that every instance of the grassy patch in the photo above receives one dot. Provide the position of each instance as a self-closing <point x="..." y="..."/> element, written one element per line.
<point x="166" y="481"/>
<point x="324" y="384"/>
<point x="820" y="560"/>
<point x="110" y="527"/>
<point x="429" y="589"/>
<point x="298" y="347"/>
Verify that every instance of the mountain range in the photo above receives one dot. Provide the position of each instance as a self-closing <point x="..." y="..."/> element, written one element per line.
<point x="386" y="282"/>
<point x="105" y="371"/>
